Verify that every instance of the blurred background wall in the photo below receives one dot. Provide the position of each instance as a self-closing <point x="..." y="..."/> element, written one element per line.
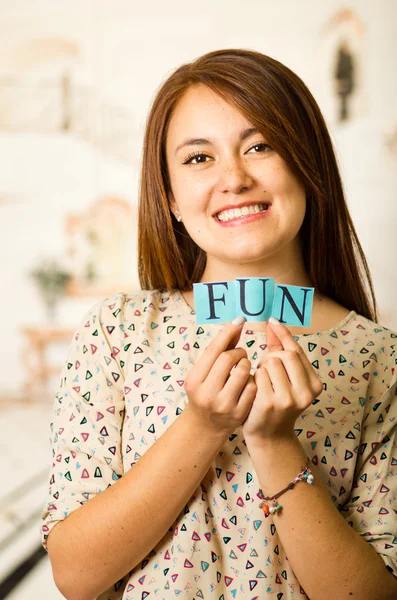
<point x="76" y="82"/>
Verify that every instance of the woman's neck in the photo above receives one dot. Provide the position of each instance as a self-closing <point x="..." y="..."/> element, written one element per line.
<point x="287" y="278"/>
<point x="286" y="267"/>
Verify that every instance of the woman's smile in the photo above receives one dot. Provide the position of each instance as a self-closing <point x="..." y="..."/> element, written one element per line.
<point x="241" y="216"/>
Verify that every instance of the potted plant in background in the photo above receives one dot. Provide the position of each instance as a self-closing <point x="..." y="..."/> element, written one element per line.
<point x="51" y="278"/>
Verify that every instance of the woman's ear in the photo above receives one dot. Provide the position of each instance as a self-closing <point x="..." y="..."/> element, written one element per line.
<point x="174" y="208"/>
<point x="172" y="204"/>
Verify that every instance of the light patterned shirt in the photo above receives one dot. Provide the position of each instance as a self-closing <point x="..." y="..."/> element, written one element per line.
<point x="122" y="386"/>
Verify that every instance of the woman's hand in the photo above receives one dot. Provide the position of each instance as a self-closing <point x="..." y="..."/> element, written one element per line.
<point x="219" y="387"/>
<point x="287" y="385"/>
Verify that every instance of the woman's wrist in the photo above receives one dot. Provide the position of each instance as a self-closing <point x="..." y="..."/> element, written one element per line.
<point x="258" y="442"/>
<point x="281" y="460"/>
<point x="204" y="428"/>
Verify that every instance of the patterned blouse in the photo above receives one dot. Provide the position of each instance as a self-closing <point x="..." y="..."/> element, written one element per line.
<point x="122" y="387"/>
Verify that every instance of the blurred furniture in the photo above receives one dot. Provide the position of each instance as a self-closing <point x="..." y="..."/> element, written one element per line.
<point x="102" y="249"/>
<point x="35" y="356"/>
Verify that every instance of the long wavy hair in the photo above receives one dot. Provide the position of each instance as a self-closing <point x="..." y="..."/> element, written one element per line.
<point x="277" y="102"/>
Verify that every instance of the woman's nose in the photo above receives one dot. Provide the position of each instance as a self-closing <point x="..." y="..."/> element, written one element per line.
<point x="234" y="176"/>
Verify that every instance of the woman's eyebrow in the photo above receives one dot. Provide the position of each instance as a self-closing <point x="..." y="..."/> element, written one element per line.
<point x="203" y="141"/>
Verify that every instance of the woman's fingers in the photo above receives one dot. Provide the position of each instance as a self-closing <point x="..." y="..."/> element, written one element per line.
<point x="223" y="368"/>
<point x="288" y="343"/>
<point x="246" y="397"/>
<point x="287" y="340"/>
<point x="263" y="382"/>
<point x="237" y="379"/>
<point x="299" y="393"/>
<point x="289" y="365"/>
<point x="226" y="339"/>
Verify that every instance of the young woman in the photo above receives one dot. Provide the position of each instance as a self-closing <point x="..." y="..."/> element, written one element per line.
<point x="225" y="426"/>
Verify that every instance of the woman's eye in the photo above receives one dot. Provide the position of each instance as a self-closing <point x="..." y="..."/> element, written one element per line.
<point x="192" y="156"/>
<point x="259" y="145"/>
<point x="196" y="155"/>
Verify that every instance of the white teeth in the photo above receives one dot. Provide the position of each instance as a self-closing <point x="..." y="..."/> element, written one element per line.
<point x="235" y="213"/>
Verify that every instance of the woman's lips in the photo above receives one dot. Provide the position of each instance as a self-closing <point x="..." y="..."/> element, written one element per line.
<point x="244" y="220"/>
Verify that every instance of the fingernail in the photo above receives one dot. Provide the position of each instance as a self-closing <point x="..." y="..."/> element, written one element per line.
<point x="239" y="320"/>
<point x="274" y="321"/>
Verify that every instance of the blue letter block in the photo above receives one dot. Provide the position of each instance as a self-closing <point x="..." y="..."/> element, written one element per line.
<point x="214" y="301"/>
<point x="254" y="297"/>
<point x="293" y="305"/>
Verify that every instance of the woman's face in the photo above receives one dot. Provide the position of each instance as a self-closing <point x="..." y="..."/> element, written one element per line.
<point x="230" y="168"/>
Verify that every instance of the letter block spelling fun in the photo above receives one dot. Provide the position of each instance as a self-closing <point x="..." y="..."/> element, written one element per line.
<point x="256" y="298"/>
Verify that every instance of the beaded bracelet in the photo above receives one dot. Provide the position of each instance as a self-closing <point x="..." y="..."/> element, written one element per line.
<point x="304" y="475"/>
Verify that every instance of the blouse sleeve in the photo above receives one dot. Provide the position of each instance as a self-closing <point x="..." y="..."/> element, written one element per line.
<point x="87" y="418"/>
<point x="372" y="506"/>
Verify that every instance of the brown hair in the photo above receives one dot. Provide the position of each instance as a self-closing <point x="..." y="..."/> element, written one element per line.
<point x="277" y="102"/>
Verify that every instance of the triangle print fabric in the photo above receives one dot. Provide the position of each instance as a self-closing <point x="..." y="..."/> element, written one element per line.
<point x="122" y="386"/>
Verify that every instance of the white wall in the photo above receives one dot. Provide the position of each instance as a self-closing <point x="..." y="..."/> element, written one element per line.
<point x="126" y="50"/>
